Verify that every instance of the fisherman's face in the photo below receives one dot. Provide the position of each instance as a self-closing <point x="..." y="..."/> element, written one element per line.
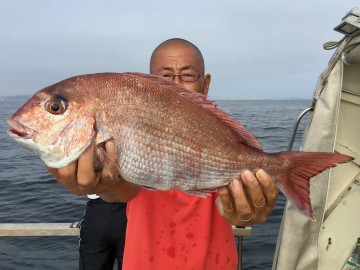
<point x="181" y="60"/>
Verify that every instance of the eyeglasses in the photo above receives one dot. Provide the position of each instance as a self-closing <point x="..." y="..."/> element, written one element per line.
<point x="185" y="77"/>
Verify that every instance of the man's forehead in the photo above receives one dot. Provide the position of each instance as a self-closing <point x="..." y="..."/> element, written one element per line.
<point x="177" y="57"/>
<point x="175" y="67"/>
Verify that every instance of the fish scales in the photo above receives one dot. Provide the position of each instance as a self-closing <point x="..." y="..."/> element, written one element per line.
<point x="172" y="156"/>
<point x="167" y="136"/>
<point x="189" y="134"/>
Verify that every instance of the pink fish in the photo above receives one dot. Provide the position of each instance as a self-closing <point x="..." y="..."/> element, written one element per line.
<point x="167" y="136"/>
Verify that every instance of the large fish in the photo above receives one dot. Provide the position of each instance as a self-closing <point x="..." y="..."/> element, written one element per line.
<point x="167" y="136"/>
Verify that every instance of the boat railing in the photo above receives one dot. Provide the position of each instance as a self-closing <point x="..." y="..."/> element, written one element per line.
<point x="72" y="229"/>
<point x="296" y="125"/>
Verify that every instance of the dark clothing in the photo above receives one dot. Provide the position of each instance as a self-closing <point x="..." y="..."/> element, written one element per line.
<point x="102" y="235"/>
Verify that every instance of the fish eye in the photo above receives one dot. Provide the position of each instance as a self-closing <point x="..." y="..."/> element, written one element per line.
<point x="55" y="106"/>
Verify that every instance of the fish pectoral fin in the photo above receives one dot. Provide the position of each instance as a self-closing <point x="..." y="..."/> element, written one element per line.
<point x="101" y="133"/>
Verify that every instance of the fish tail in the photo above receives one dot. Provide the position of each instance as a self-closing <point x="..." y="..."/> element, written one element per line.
<point x="294" y="182"/>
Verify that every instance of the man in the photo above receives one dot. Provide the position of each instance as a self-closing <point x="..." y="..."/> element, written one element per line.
<point x="171" y="229"/>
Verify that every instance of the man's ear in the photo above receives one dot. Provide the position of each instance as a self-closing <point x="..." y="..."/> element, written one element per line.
<point x="207" y="80"/>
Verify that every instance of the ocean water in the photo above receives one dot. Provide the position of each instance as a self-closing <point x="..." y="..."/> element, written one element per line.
<point x="28" y="193"/>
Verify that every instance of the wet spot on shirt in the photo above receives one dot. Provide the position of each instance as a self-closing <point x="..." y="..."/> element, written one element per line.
<point x="172" y="225"/>
<point x="171" y="252"/>
<point x="217" y="258"/>
<point x="189" y="227"/>
<point x="190" y="235"/>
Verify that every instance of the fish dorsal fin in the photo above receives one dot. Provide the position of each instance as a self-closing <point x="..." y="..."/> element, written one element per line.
<point x="208" y="105"/>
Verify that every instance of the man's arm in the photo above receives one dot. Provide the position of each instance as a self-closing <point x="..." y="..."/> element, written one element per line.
<point x="248" y="200"/>
<point x="80" y="177"/>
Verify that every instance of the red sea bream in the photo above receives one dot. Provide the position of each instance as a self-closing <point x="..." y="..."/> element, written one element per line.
<point x="167" y="136"/>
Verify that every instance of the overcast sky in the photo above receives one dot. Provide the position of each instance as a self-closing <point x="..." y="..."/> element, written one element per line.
<point x="253" y="49"/>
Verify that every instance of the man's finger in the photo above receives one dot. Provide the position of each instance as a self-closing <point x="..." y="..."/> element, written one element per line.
<point x="87" y="177"/>
<point x="270" y="190"/>
<point x="254" y="190"/>
<point x="66" y="176"/>
<point x="244" y="211"/>
<point x="226" y="204"/>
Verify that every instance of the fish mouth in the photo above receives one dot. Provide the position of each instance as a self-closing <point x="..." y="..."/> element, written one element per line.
<point x="18" y="130"/>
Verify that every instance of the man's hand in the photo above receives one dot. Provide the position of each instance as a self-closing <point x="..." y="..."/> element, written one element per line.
<point x="81" y="178"/>
<point x="248" y="200"/>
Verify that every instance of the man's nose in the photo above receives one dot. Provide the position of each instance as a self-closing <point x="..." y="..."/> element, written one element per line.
<point x="177" y="79"/>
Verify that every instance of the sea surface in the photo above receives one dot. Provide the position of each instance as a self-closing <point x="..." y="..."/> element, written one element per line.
<point x="28" y="193"/>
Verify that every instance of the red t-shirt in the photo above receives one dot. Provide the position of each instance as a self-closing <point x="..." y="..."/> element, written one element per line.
<point x="175" y="230"/>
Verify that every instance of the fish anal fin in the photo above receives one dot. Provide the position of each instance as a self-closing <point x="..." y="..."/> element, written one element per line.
<point x="201" y="193"/>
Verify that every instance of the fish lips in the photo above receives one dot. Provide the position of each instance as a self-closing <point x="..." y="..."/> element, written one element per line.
<point x="18" y="130"/>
